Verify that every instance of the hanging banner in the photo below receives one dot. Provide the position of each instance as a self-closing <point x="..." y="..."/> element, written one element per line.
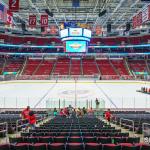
<point x="44" y="20"/>
<point x="75" y="3"/>
<point x="3" y="12"/>
<point x="139" y="19"/>
<point x="149" y="12"/>
<point x="14" y="5"/>
<point x="145" y="14"/>
<point x="32" y="21"/>
<point x="98" y="30"/>
<point x="53" y="30"/>
<point x="9" y="20"/>
<point x="134" y="22"/>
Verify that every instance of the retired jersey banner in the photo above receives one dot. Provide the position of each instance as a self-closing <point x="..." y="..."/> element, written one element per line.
<point x="32" y="21"/>
<point x="3" y="12"/>
<point x="139" y="19"/>
<point x="44" y="20"/>
<point x="149" y="12"/>
<point x="14" y="5"/>
<point x="53" y="29"/>
<point x="145" y="14"/>
<point x="9" y="20"/>
<point x="98" y="30"/>
<point x="134" y="22"/>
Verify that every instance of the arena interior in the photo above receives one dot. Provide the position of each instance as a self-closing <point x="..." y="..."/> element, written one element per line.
<point x="74" y="74"/>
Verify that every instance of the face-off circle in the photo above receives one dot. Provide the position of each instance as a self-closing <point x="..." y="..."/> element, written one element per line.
<point x="79" y="93"/>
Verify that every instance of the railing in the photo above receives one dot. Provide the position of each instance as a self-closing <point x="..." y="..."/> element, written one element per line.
<point x="20" y="125"/>
<point x="72" y="77"/>
<point x="117" y="77"/>
<point x="146" y="132"/>
<point x="20" y="121"/>
<point x="4" y="130"/>
<point x="128" y="120"/>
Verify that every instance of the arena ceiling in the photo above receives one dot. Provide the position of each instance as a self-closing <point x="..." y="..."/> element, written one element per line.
<point x="118" y="11"/>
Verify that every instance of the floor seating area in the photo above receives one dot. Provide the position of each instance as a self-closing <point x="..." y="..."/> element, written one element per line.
<point x="87" y="133"/>
<point x="138" y="117"/>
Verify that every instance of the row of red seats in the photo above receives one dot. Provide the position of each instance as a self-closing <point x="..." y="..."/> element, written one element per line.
<point x="74" y="146"/>
<point x="48" y="41"/>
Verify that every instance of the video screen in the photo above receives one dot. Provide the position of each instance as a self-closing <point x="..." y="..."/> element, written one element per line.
<point x="87" y="33"/>
<point x="76" y="46"/>
<point x="75" y="32"/>
<point x="64" y="33"/>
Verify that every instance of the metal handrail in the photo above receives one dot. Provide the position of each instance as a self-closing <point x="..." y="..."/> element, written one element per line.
<point x="17" y="122"/>
<point x="6" y="130"/>
<point x="143" y="124"/>
<point x="121" y="119"/>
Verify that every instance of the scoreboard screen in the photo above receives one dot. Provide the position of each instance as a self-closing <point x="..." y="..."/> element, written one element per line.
<point x="76" y="46"/>
<point x="75" y="32"/>
<point x="64" y="33"/>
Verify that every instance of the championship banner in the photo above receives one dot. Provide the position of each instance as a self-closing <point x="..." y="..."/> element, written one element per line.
<point x="75" y="3"/>
<point x="139" y="19"/>
<point x="145" y="14"/>
<point x="44" y="20"/>
<point x="53" y="30"/>
<point x="98" y="30"/>
<point x="9" y="20"/>
<point x="149" y="12"/>
<point x="134" y="22"/>
<point x="32" y="21"/>
<point x="3" y="12"/>
<point x="14" y="5"/>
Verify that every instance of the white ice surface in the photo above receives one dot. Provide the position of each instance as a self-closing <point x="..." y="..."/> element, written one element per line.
<point x="115" y="93"/>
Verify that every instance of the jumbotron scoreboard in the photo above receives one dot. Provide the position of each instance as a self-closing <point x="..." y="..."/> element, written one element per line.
<point x="75" y="40"/>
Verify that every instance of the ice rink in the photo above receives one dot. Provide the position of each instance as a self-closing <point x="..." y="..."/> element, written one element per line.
<point x="120" y="94"/>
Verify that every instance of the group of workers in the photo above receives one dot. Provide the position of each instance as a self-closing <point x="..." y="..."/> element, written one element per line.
<point x="71" y="112"/>
<point x="68" y="112"/>
<point x="28" y="115"/>
<point x="145" y="90"/>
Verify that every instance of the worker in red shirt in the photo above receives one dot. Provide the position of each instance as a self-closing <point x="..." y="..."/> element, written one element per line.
<point x="25" y="113"/>
<point x="108" y="115"/>
<point x="61" y="113"/>
<point x="32" y="119"/>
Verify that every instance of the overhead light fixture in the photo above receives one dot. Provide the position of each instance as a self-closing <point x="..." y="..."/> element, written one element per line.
<point x="49" y="13"/>
<point x="102" y="13"/>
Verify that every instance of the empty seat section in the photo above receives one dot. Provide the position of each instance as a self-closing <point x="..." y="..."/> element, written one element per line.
<point x="62" y="66"/>
<point x="89" y="67"/>
<point x="138" y="65"/>
<point x="120" y="67"/>
<point x="45" y="67"/>
<point x="75" y="67"/>
<point x="105" y="67"/>
<point x="13" y="65"/>
<point x="31" y="66"/>
<point x="2" y="61"/>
